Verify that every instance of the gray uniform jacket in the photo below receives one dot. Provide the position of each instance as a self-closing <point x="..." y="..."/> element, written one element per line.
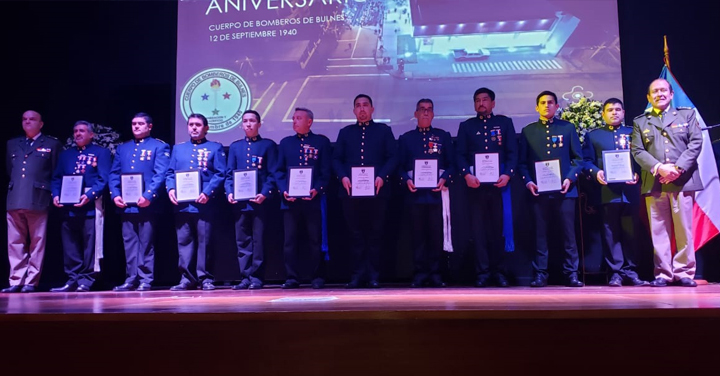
<point x="675" y="138"/>
<point x="30" y="169"/>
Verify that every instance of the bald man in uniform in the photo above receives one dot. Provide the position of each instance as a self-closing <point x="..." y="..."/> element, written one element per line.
<point x="666" y="143"/>
<point x="30" y="161"/>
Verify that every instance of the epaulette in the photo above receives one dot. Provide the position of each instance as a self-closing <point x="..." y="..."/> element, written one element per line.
<point x="641" y="115"/>
<point x="160" y="140"/>
<point x="51" y="137"/>
<point x="683" y="108"/>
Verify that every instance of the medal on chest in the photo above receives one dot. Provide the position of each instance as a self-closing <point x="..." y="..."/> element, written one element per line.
<point x="256" y="161"/>
<point x="434" y="147"/>
<point x="203" y="156"/>
<point x="624" y="142"/>
<point x="309" y="152"/>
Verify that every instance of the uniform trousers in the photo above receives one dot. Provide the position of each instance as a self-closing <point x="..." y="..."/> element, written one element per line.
<point x="486" y="223"/>
<point x="249" y="230"/>
<point x="26" y="245"/>
<point x="78" y="238"/>
<point x="365" y="218"/>
<point x="138" y="231"/>
<point x="671" y="216"/>
<point x="546" y="208"/>
<point x="310" y="213"/>
<point x="194" y="235"/>
<point x="619" y="224"/>
<point x="427" y="240"/>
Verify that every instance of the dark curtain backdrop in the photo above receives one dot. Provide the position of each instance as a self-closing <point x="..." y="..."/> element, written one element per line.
<point x="104" y="61"/>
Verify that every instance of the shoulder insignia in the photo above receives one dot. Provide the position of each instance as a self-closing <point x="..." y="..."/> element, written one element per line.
<point x="684" y="108"/>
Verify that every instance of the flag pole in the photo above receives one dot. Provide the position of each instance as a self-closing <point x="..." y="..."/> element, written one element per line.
<point x="666" y="57"/>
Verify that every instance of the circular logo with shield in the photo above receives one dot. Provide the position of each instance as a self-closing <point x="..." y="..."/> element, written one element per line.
<point x="219" y="94"/>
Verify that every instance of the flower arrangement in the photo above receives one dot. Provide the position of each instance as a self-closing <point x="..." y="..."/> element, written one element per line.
<point x="586" y="114"/>
<point x="105" y="136"/>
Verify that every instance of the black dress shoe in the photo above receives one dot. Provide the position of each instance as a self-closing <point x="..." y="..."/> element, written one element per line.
<point x="243" y="285"/>
<point x="539" y="281"/>
<point x="573" y="281"/>
<point x="374" y="284"/>
<point x="125" y="287"/>
<point x="501" y="281"/>
<point x="436" y="281"/>
<point x="482" y="282"/>
<point x="354" y="284"/>
<point x="183" y="286"/>
<point x="290" y="284"/>
<point x="67" y="288"/>
<point x="144" y="287"/>
<point x="12" y="289"/>
<point x="83" y="288"/>
<point x="687" y="282"/>
<point x="615" y="281"/>
<point x="637" y="282"/>
<point x="255" y="286"/>
<point x="28" y="288"/>
<point x="658" y="282"/>
<point x="318" y="283"/>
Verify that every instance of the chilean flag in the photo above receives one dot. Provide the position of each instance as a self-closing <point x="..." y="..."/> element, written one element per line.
<point x="706" y="213"/>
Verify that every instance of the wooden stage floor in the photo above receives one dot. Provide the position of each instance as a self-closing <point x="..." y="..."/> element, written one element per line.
<point x="399" y="302"/>
<point x="390" y="331"/>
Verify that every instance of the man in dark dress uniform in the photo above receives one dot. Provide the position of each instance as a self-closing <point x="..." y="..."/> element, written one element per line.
<point x="425" y="204"/>
<point x="667" y="143"/>
<point x="251" y="153"/>
<point x="304" y="149"/>
<point x="92" y="162"/>
<point x="545" y="140"/>
<point x="194" y="219"/>
<point x="487" y="133"/>
<point x="365" y="144"/>
<point x="148" y="157"/>
<point x="30" y="161"/>
<point x="620" y="201"/>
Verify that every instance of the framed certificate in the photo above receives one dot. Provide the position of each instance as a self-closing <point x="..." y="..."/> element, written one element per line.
<point x="548" y="176"/>
<point x="299" y="181"/>
<point x="617" y="165"/>
<point x="425" y="173"/>
<point x="71" y="189"/>
<point x="131" y="188"/>
<point x="487" y="167"/>
<point x="245" y="184"/>
<point x="187" y="185"/>
<point x="363" y="182"/>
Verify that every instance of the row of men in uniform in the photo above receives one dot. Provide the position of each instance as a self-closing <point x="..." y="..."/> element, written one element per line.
<point x="666" y="151"/>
